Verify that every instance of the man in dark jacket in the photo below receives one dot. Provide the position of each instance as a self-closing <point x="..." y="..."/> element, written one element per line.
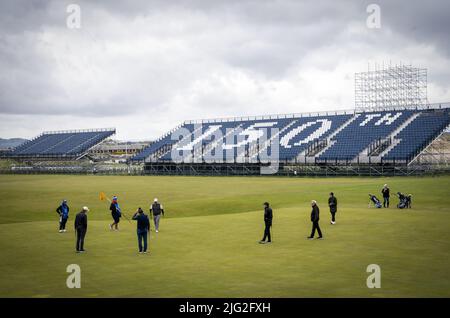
<point x="315" y="221"/>
<point x="143" y="228"/>
<point x="81" y="229"/>
<point x="332" y="203"/>
<point x="115" y="213"/>
<point x="63" y="212"/>
<point x="156" y="209"/>
<point x="386" y="195"/>
<point x="268" y="216"/>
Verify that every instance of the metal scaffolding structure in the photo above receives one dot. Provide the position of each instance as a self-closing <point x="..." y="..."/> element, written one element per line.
<point x="390" y="87"/>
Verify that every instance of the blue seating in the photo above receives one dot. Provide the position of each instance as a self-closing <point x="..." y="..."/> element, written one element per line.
<point x="67" y="144"/>
<point x="366" y="128"/>
<point x="416" y="136"/>
<point x="306" y="131"/>
<point x="338" y="136"/>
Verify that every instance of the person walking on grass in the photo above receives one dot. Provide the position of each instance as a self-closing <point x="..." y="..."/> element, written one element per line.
<point x="115" y="213"/>
<point x="143" y="228"/>
<point x="63" y="212"/>
<point x="315" y="221"/>
<point x="81" y="229"/>
<point x="268" y="216"/>
<point x="156" y="209"/>
<point x="332" y="203"/>
<point x="386" y="195"/>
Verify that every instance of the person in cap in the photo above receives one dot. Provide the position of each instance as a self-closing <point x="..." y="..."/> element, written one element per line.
<point x="63" y="212"/>
<point x="143" y="228"/>
<point x="115" y="213"/>
<point x="268" y="216"/>
<point x="315" y="220"/>
<point x="80" y="225"/>
<point x="386" y="195"/>
<point x="332" y="203"/>
<point x="156" y="209"/>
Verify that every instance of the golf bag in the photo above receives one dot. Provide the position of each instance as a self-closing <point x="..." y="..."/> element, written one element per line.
<point x="405" y="201"/>
<point x="375" y="201"/>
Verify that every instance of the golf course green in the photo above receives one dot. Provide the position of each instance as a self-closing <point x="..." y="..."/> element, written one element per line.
<point x="208" y="240"/>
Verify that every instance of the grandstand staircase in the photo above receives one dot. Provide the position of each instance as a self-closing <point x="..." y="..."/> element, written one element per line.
<point x="316" y="147"/>
<point x="376" y="150"/>
<point x="311" y="158"/>
<point x="85" y="153"/>
<point x="143" y="154"/>
<point x="378" y="146"/>
<point x="257" y="149"/>
<point x="161" y="152"/>
<point x="198" y="154"/>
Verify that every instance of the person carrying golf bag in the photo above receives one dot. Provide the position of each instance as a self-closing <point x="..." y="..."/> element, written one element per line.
<point x="156" y="209"/>
<point x="332" y="203"/>
<point x="63" y="212"/>
<point x="80" y="226"/>
<point x="268" y="216"/>
<point x="386" y="195"/>
<point x="115" y="213"/>
<point x="143" y="228"/>
<point x="315" y="221"/>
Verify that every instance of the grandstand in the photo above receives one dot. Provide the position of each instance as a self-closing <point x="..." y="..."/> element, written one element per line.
<point x="393" y="136"/>
<point x="67" y="144"/>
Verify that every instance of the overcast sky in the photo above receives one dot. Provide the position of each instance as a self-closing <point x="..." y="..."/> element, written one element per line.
<point x="147" y="66"/>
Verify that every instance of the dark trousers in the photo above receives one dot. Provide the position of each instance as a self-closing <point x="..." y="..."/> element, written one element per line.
<point x="333" y="216"/>
<point x="267" y="232"/>
<point x="62" y="223"/>
<point x="142" y="237"/>
<point x="314" y="227"/>
<point x="386" y="202"/>
<point x="81" y="233"/>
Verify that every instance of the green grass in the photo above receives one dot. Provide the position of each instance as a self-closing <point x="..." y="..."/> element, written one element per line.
<point x="208" y="247"/>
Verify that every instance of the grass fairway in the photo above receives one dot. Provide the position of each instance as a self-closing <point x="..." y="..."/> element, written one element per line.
<point x="208" y="247"/>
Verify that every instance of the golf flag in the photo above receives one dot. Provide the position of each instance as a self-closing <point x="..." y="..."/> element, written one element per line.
<point x="102" y="196"/>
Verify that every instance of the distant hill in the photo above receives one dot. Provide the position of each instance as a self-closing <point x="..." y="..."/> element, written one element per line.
<point x="11" y="143"/>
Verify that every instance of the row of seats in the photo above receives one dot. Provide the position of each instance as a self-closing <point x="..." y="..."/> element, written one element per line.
<point x="342" y="136"/>
<point x="62" y="143"/>
<point x="416" y="136"/>
<point x="365" y="129"/>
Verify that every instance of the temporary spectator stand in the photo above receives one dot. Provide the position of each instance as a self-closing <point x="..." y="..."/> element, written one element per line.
<point x="374" y="142"/>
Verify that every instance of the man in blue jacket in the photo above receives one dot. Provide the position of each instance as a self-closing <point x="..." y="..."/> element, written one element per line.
<point x="116" y="214"/>
<point x="143" y="228"/>
<point x="63" y="212"/>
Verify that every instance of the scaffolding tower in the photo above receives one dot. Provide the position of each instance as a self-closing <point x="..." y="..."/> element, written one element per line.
<point x="390" y="87"/>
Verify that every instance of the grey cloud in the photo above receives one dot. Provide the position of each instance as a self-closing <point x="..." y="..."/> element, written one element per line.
<point x="170" y="60"/>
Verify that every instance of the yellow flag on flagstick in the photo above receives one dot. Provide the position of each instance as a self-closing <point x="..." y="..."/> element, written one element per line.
<point x="102" y="196"/>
